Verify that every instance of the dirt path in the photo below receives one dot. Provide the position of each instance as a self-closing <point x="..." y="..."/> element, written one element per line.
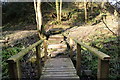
<point x="84" y="33"/>
<point x="23" y="37"/>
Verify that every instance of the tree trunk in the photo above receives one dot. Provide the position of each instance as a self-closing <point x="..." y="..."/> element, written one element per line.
<point x="57" y="10"/>
<point x="37" y="6"/>
<point x="102" y="4"/>
<point x="91" y="7"/>
<point x="118" y="26"/>
<point x="85" y="8"/>
<point x="39" y="14"/>
<point x="60" y="9"/>
<point x="118" y="33"/>
<point x="117" y="17"/>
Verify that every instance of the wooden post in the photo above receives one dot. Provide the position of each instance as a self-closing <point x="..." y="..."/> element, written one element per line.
<point x="71" y="49"/>
<point x="38" y="56"/>
<point x="103" y="69"/>
<point x="14" y="70"/>
<point x="78" y="61"/>
<point x="45" y="49"/>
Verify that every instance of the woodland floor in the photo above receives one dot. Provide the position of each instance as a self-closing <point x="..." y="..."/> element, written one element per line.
<point x="27" y="35"/>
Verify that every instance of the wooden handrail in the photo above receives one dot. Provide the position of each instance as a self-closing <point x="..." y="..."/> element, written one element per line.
<point x="14" y="63"/>
<point x="18" y="56"/>
<point x="95" y="51"/>
<point x="103" y="59"/>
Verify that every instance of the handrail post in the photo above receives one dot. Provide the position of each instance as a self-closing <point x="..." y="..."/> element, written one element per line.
<point x="45" y="49"/>
<point x="71" y="49"/>
<point x="103" y="69"/>
<point x="14" y="69"/>
<point x="78" y="61"/>
<point x="38" y="56"/>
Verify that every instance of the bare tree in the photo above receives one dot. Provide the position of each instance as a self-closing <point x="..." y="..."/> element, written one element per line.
<point x="118" y="24"/>
<point x="102" y="4"/>
<point x="85" y="8"/>
<point x="37" y="6"/>
<point x="59" y="10"/>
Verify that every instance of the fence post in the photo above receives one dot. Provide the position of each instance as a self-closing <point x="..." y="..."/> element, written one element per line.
<point x="71" y="49"/>
<point x="38" y="58"/>
<point x="14" y="69"/>
<point x="45" y="49"/>
<point x="103" y="69"/>
<point x="78" y="61"/>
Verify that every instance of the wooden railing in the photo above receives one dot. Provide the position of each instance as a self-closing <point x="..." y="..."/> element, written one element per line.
<point x="14" y="61"/>
<point x="103" y="59"/>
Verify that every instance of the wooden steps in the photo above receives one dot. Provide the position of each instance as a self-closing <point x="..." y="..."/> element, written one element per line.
<point x="56" y="39"/>
<point x="59" y="69"/>
<point x="56" y="45"/>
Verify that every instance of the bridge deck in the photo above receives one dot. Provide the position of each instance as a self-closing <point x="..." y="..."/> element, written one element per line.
<point x="59" y="69"/>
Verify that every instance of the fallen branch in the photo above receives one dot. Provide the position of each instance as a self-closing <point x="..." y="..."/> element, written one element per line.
<point x="108" y="28"/>
<point x="3" y="41"/>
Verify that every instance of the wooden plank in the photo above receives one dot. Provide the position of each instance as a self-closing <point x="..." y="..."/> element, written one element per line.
<point x="45" y="49"/>
<point x="56" y="36"/>
<point x="57" y="46"/>
<point x="78" y="61"/>
<point x="38" y="56"/>
<point x="95" y="51"/>
<point x="55" y="41"/>
<point x="71" y="48"/>
<point x="62" y="66"/>
<point x="59" y="62"/>
<point x="55" y="53"/>
<point x="70" y="77"/>
<point x="59" y="69"/>
<point x="18" y="56"/>
<point x="60" y="78"/>
<point x="58" y="73"/>
<point x="56" y="50"/>
<point x="103" y="69"/>
<point x="75" y="76"/>
<point x="63" y="70"/>
<point x="14" y="70"/>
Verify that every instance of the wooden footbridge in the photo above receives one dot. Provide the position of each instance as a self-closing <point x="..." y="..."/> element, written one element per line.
<point x="58" y="68"/>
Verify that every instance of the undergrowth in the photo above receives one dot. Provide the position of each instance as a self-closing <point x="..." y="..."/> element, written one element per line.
<point x="109" y="46"/>
<point x="7" y="53"/>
